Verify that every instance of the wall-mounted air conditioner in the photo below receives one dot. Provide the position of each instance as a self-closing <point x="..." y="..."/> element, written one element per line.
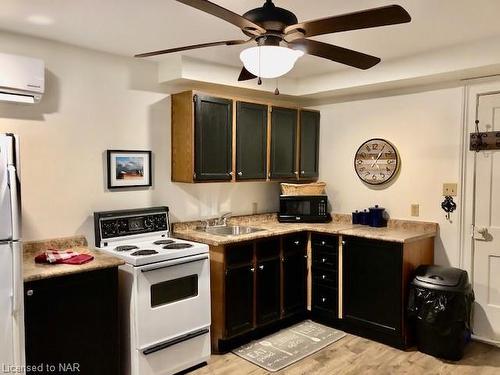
<point x="22" y="79"/>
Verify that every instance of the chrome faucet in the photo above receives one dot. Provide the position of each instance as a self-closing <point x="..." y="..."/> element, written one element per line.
<point x="222" y="219"/>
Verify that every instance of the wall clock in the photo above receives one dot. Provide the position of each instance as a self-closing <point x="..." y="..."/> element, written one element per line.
<point x="376" y="161"/>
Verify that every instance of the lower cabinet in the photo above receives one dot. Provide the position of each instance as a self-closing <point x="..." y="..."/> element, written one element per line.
<point x="239" y="312"/>
<point x="74" y="320"/>
<point x="257" y="287"/>
<point x="376" y="275"/>
<point x="325" y="278"/>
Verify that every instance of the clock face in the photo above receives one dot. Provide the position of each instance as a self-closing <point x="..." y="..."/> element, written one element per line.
<point x="376" y="161"/>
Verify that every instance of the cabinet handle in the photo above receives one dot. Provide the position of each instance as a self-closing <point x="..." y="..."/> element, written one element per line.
<point x="252" y="269"/>
<point x="231" y="173"/>
<point x="261" y="267"/>
<point x="323" y="260"/>
<point x="296" y="172"/>
<point x="303" y="172"/>
<point x="343" y="242"/>
<point x="296" y="242"/>
<point x="323" y="299"/>
<point x="305" y="256"/>
<point x="323" y="243"/>
<point x="323" y="277"/>
<point x="29" y="293"/>
<point x="240" y="173"/>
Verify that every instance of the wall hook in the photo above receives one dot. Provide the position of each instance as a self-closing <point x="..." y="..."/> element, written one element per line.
<point x="448" y="205"/>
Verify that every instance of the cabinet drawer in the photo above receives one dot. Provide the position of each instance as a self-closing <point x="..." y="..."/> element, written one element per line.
<point x="295" y="242"/>
<point x="320" y="241"/>
<point x="326" y="299"/>
<point x="325" y="277"/>
<point x="239" y="254"/>
<point x="325" y="259"/>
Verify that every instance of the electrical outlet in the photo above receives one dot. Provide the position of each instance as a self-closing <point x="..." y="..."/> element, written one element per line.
<point x="415" y="209"/>
<point x="450" y="189"/>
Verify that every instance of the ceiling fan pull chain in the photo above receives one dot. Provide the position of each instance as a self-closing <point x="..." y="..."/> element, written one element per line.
<point x="259" y="81"/>
<point x="277" y="91"/>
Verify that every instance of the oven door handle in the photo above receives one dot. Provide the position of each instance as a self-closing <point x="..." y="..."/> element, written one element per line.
<point x="177" y="340"/>
<point x="176" y="262"/>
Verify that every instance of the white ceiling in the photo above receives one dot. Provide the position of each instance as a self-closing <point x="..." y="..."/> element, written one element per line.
<point x="127" y="27"/>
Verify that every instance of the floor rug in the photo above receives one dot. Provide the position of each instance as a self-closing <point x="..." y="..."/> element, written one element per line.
<point x="289" y="345"/>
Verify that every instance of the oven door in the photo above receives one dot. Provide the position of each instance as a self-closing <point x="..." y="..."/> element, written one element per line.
<point x="172" y="301"/>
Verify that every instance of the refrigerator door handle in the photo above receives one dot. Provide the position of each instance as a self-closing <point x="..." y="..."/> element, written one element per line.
<point x="17" y="276"/>
<point x="14" y="202"/>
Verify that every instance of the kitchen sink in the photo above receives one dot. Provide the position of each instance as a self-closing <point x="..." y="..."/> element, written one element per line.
<point x="230" y="230"/>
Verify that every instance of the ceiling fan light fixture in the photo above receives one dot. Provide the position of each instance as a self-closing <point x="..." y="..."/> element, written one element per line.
<point x="269" y="61"/>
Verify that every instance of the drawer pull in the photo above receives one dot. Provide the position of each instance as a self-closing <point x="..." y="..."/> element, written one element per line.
<point x="323" y="243"/>
<point x="252" y="269"/>
<point x="296" y="242"/>
<point x="323" y="277"/>
<point x="323" y="299"/>
<point x="323" y="260"/>
<point x="261" y="267"/>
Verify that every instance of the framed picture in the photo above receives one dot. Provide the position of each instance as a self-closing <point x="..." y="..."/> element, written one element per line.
<point x="128" y="168"/>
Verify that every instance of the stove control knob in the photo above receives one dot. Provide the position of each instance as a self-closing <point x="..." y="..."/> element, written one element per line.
<point x="148" y="223"/>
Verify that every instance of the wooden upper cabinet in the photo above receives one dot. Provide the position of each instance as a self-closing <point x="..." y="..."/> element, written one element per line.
<point x="283" y="143"/>
<point x="230" y="138"/>
<point x="309" y="144"/>
<point x="213" y="135"/>
<point x="251" y="141"/>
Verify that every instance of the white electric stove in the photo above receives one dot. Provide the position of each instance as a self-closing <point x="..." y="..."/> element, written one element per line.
<point x="164" y="291"/>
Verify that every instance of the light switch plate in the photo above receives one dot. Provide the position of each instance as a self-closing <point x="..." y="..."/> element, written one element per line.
<point x="450" y="189"/>
<point x="415" y="209"/>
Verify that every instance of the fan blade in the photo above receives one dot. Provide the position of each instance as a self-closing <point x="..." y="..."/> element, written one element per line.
<point x="245" y="75"/>
<point x="335" y="53"/>
<point x="383" y="16"/>
<point x="225" y="14"/>
<point x="194" y="46"/>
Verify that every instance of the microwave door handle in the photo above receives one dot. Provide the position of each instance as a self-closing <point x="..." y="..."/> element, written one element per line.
<point x="176" y="262"/>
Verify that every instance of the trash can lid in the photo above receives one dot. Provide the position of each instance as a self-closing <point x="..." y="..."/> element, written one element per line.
<point x="440" y="276"/>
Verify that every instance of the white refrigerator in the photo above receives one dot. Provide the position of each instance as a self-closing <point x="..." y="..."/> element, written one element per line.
<point x="11" y="279"/>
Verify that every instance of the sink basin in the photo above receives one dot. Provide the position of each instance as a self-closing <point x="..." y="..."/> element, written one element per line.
<point x="230" y="230"/>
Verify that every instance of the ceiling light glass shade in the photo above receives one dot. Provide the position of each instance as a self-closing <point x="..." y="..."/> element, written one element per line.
<point x="269" y="61"/>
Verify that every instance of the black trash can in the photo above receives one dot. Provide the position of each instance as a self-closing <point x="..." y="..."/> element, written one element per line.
<point x="440" y="304"/>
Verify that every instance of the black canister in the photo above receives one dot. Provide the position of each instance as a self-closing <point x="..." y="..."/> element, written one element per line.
<point x="364" y="217"/>
<point x="356" y="217"/>
<point x="377" y="218"/>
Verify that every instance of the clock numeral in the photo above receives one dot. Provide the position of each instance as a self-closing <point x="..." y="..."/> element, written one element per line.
<point x="363" y="155"/>
<point x="367" y="173"/>
<point x="387" y="169"/>
<point x="375" y="146"/>
<point x="362" y="169"/>
<point x="359" y="161"/>
<point x="368" y="148"/>
<point x="390" y="161"/>
<point x="374" y="178"/>
<point x="382" y="175"/>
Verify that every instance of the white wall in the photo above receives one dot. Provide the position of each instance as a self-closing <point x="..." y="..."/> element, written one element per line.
<point x="426" y="129"/>
<point x="95" y="102"/>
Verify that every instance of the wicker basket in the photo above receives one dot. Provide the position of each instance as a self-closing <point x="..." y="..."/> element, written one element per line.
<point x="315" y="188"/>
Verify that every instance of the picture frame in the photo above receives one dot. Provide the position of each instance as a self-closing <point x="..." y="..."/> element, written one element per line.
<point x="128" y="168"/>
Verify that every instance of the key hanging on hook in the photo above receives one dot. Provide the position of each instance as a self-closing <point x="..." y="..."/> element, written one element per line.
<point x="448" y="205"/>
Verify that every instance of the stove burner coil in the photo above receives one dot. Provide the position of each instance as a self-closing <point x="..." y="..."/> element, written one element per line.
<point x="144" y="252"/>
<point x="163" y="242"/>
<point x="126" y="248"/>
<point x="177" y="246"/>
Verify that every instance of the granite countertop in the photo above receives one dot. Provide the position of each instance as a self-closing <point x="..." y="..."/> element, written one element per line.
<point x="37" y="271"/>
<point x="402" y="231"/>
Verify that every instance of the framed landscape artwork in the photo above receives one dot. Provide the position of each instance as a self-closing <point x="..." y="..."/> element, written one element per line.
<point x="128" y="168"/>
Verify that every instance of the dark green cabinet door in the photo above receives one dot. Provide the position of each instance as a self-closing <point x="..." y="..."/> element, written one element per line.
<point x="309" y="144"/>
<point x="213" y="138"/>
<point x="283" y="142"/>
<point x="251" y="141"/>
<point x="372" y="285"/>
<point x="268" y="291"/>
<point x="239" y="299"/>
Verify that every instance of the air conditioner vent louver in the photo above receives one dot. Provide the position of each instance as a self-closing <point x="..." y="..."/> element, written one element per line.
<point x="22" y="79"/>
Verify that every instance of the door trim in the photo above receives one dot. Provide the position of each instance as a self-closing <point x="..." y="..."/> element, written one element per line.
<point x="474" y="89"/>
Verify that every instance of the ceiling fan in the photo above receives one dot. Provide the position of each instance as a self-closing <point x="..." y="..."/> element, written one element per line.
<point x="280" y="39"/>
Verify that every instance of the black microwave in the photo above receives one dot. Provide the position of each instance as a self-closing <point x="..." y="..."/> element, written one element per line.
<point x="304" y="209"/>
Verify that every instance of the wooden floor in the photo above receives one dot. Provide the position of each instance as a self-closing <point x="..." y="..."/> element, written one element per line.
<point x="355" y="355"/>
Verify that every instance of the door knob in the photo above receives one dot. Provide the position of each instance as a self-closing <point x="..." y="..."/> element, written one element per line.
<point x="482" y="231"/>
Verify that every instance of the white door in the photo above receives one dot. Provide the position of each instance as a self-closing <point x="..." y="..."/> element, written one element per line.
<point x="486" y="263"/>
